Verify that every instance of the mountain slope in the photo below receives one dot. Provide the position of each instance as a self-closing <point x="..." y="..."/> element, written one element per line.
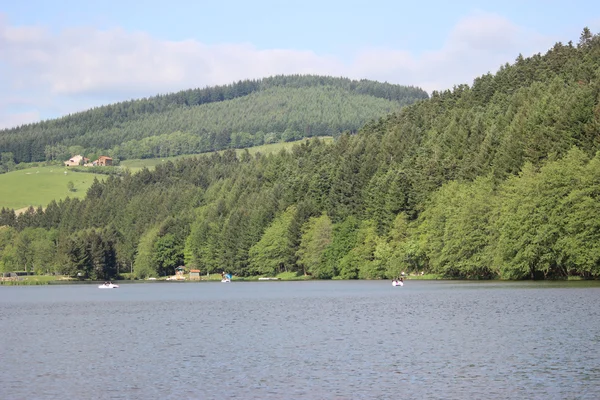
<point x="303" y="105"/>
<point x="494" y="180"/>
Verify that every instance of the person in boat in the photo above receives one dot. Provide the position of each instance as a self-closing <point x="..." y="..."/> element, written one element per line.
<point x="401" y="279"/>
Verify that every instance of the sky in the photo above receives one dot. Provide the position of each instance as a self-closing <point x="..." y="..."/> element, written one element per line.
<point x="61" y="57"/>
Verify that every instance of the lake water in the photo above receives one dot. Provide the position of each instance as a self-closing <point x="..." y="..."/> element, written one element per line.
<point x="301" y="340"/>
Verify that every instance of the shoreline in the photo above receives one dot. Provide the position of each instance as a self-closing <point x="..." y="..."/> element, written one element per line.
<point x="35" y="280"/>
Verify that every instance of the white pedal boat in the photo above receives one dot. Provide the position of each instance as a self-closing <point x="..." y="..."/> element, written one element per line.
<point x="108" y="286"/>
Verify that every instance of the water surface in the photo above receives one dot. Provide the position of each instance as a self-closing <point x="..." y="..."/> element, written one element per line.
<point x="301" y="340"/>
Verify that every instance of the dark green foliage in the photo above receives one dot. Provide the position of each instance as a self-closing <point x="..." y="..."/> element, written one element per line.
<point x="90" y="253"/>
<point x="494" y="180"/>
<point x="7" y="217"/>
<point x="7" y="162"/>
<point x="202" y="120"/>
<point x="335" y="258"/>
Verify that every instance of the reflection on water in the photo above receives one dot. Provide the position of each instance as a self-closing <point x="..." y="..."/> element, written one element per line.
<point x="310" y="340"/>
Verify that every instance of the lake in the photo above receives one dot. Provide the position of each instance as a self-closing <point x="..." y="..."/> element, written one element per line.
<point x="301" y="340"/>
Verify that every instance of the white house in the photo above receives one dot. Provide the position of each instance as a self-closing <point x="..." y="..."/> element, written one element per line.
<point x="76" y="160"/>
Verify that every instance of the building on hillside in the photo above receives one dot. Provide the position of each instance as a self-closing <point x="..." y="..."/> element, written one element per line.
<point x="76" y="160"/>
<point x="103" y="161"/>
<point x="194" y="275"/>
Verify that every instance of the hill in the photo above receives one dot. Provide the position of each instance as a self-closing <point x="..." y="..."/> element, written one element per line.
<point x="135" y="165"/>
<point x="243" y="114"/>
<point x="38" y="186"/>
<point x="498" y="179"/>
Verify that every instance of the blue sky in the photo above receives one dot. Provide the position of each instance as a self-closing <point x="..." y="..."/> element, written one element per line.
<point x="60" y="57"/>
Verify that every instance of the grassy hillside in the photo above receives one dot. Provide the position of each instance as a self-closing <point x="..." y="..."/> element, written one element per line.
<point x="40" y="185"/>
<point x="137" y="164"/>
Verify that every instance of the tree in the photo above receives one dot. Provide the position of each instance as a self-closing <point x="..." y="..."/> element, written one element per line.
<point x="25" y="250"/>
<point x="203" y="246"/>
<point x="272" y="253"/>
<point x="363" y="254"/>
<point x="537" y="220"/>
<point x="101" y="255"/>
<point x="8" y="217"/>
<point x="44" y="252"/>
<point x="343" y="241"/>
<point x="145" y="264"/>
<point x="316" y="236"/>
<point x="585" y="37"/>
<point x="577" y="247"/>
<point x="7" y="161"/>
<point x="7" y="250"/>
<point x="72" y="256"/>
<point x="168" y="254"/>
<point x="457" y="229"/>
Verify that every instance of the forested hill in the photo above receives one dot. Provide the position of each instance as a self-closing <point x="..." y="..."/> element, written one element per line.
<point x="496" y="179"/>
<point x="239" y="115"/>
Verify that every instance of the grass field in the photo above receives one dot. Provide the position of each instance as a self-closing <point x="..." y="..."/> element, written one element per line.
<point x="38" y="186"/>
<point x="137" y="164"/>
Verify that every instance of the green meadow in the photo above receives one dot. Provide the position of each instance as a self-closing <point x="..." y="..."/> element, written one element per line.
<point x="137" y="164"/>
<point x="38" y="186"/>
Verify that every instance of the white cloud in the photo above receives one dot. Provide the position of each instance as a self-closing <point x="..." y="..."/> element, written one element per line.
<point x="116" y="64"/>
<point x="18" y="119"/>
<point x="84" y="61"/>
<point x="478" y="44"/>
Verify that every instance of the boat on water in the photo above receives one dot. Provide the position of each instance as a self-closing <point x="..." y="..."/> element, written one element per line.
<point x="108" y="285"/>
<point x="397" y="283"/>
<point x="226" y="278"/>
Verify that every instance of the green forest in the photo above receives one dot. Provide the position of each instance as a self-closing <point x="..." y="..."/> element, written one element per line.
<point x="495" y="180"/>
<point x="244" y="114"/>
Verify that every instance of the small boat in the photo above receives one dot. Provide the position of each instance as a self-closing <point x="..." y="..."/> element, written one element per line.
<point x="397" y="283"/>
<point x="108" y="286"/>
<point x="226" y="278"/>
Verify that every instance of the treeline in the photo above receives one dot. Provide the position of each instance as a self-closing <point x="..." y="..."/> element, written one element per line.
<point x="304" y="106"/>
<point x="497" y="179"/>
<point x="279" y="114"/>
<point x="251" y="220"/>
